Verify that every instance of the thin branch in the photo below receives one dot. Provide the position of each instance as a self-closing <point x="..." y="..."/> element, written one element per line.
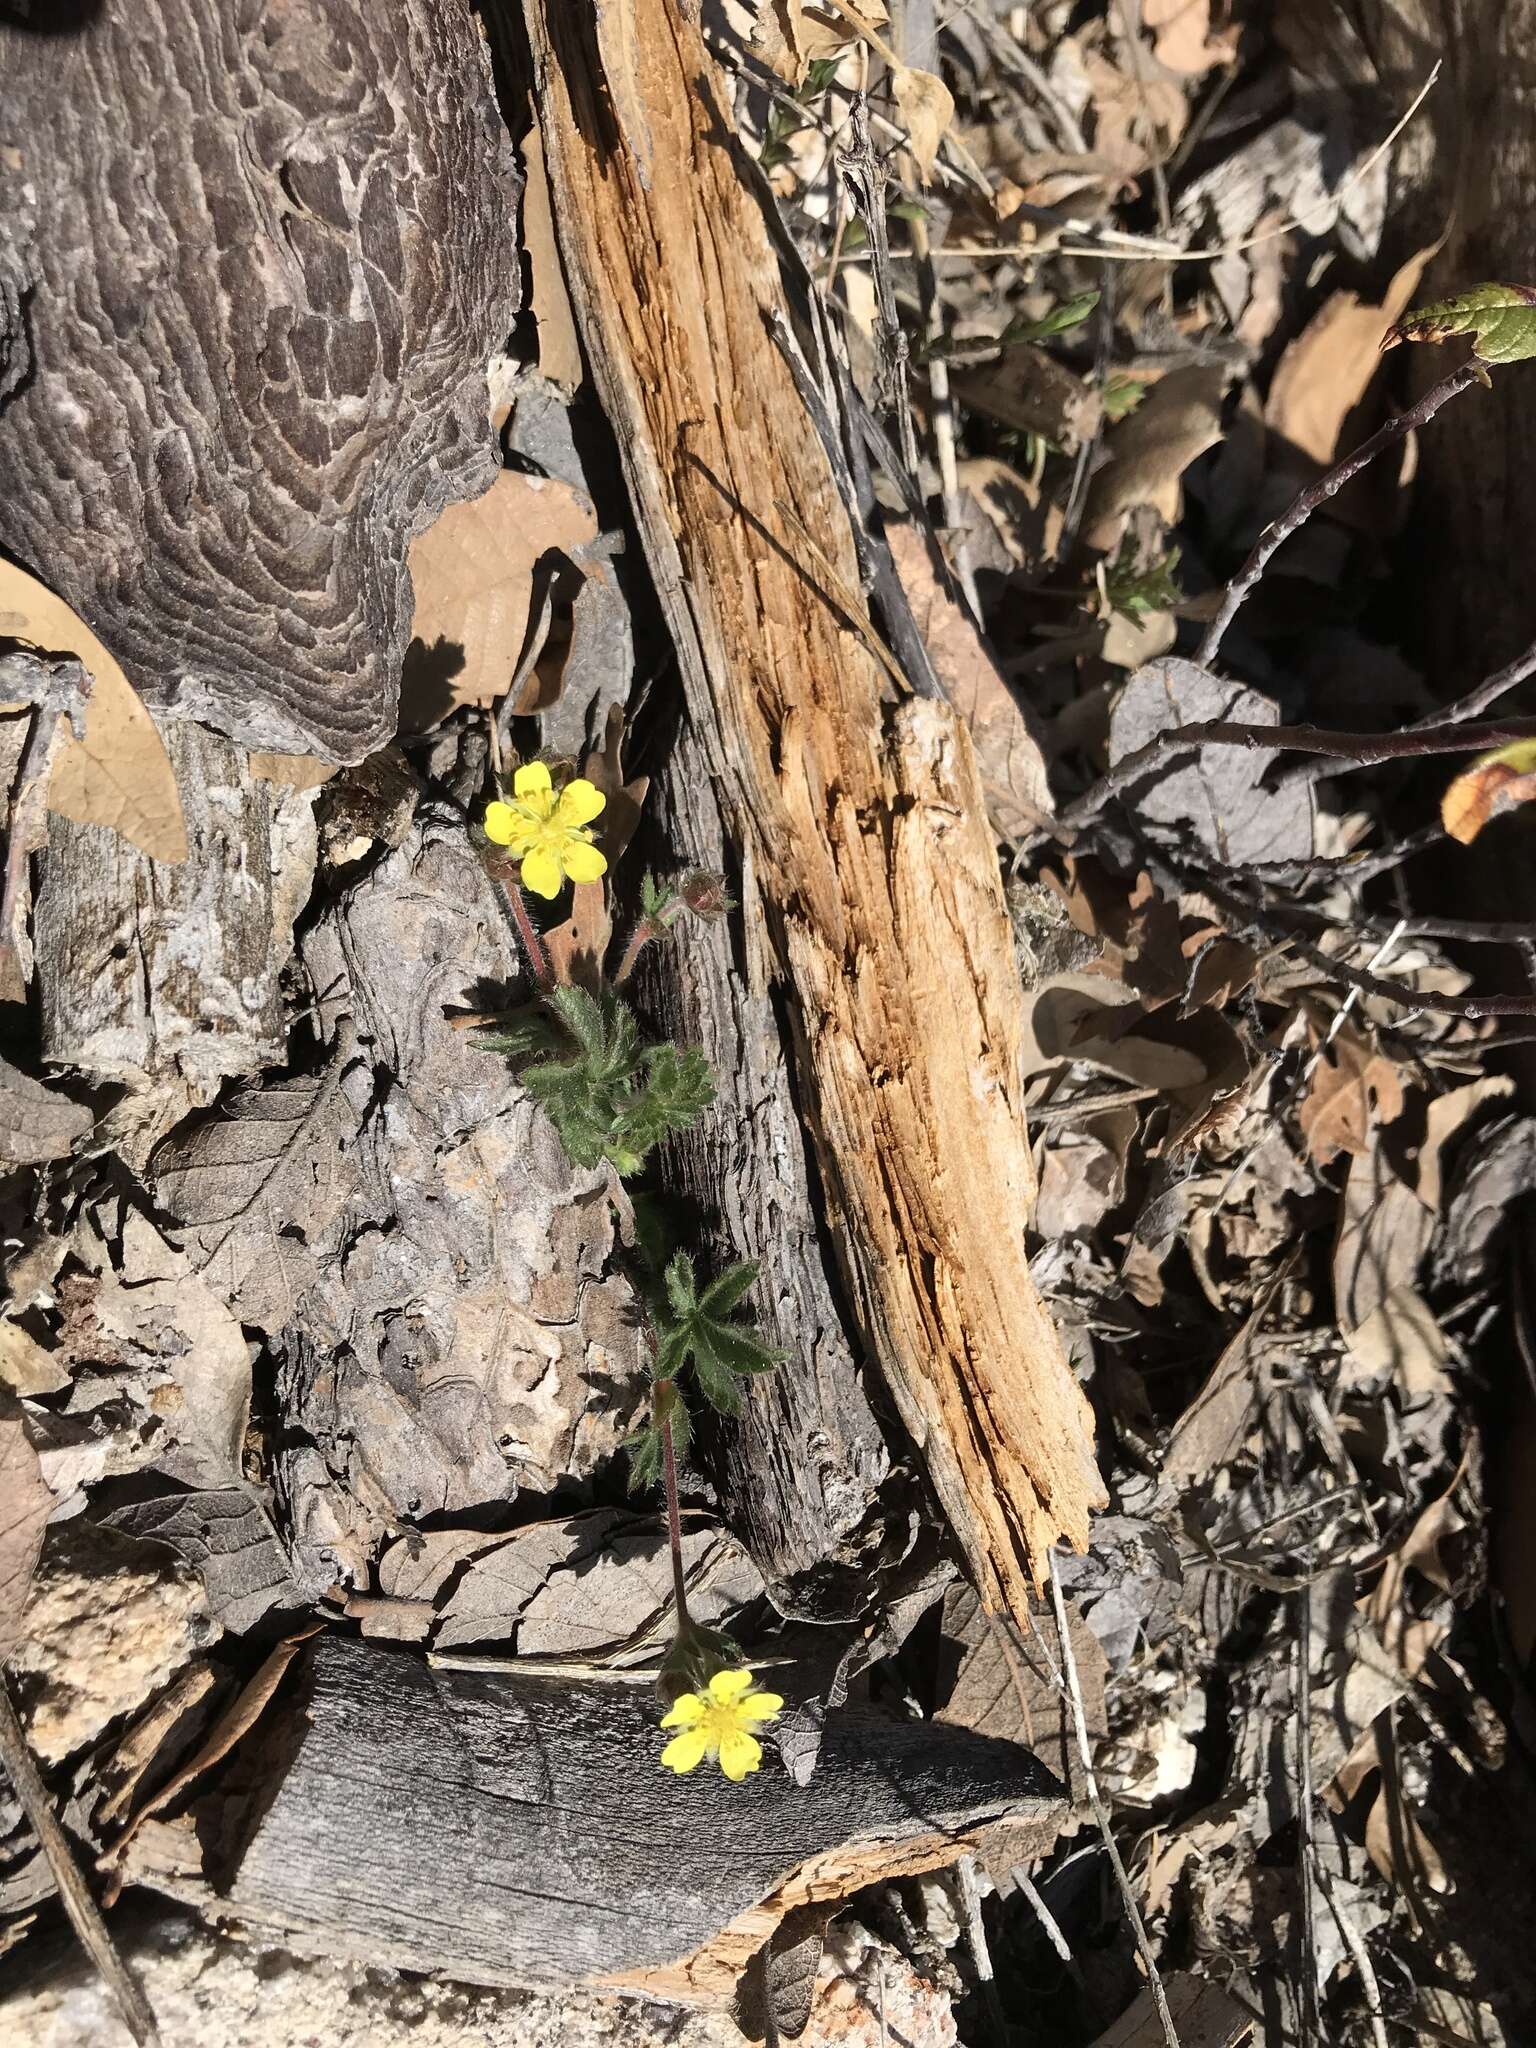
<point x="84" y="1915"/>
<point x="1489" y="691"/>
<point x="1100" y="1813"/>
<point x="1327" y="486"/>
<point x="1361" y="748"/>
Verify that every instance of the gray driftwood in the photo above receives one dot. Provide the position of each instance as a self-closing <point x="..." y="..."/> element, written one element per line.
<point x="802" y="1467"/>
<point x="149" y="968"/>
<point x="253" y="262"/>
<point x="506" y="1829"/>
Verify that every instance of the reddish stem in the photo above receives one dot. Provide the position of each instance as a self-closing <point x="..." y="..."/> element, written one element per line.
<point x="674" y="1518"/>
<point x="528" y="932"/>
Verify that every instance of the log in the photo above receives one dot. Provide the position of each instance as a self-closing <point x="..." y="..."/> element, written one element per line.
<point x="862" y="819"/>
<point x="253" y="264"/>
<point x="506" y="1829"/>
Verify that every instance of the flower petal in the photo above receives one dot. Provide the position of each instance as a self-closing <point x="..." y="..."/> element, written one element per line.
<point x="684" y="1751"/>
<point x="686" y="1711"/>
<point x="760" y="1706"/>
<point x="541" y="873"/>
<point x="580" y="802"/>
<point x="500" y="821"/>
<point x="727" y="1686"/>
<point x="739" y="1754"/>
<point x="582" y="862"/>
<point x="532" y="779"/>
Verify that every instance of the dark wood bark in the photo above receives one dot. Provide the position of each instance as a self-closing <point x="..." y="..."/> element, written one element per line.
<point x="504" y="1829"/>
<point x="253" y="261"/>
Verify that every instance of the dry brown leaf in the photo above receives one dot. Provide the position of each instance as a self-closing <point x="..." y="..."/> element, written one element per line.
<point x="119" y="775"/>
<point x="1495" y="783"/>
<point x="1400" y="1343"/>
<point x="294" y="771"/>
<point x="1149" y="452"/>
<point x="821" y="31"/>
<point x="1354" y="1091"/>
<point x="1007" y="751"/>
<point x="25" y="1367"/>
<point x="1327" y="370"/>
<point x="559" y="348"/>
<point x="25" y="1505"/>
<point x="1399" y="1847"/>
<point x="1204" y="2016"/>
<point x="1138" y="120"/>
<point x="36" y="1122"/>
<point x="473" y="576"/>
<point x="927" y="107"/>
<point x="1182" y="36"/>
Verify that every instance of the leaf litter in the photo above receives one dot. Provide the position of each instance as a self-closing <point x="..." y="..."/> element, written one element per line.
<point x="1274" y="1206"/>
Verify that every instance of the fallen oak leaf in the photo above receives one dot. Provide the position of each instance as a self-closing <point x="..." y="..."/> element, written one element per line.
<point x="1354" y="1090"/>
<point x="26" y="1502"/>
<point x="119" y="775"/>
<point x="1495" y="783"/>
<point x="36" y="1123"/>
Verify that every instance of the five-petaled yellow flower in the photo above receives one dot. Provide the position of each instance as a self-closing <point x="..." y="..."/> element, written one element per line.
<point x="546" y="831"/>
<point x="719" y="1722"/>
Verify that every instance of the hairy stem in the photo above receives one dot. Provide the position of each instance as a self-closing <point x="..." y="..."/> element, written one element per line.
<point x="674" y="1518"/>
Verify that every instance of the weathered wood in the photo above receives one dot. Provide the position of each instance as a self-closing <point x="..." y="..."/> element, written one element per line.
<point x="253" y="262"/>
<point x="515" y="1830"/>
<point x="863" y="823"/>
<point x="149" y="968"/>
<point x="801" y="1467"/>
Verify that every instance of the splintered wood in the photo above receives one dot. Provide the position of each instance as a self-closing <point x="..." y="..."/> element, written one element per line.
<point x="864" y="820"/>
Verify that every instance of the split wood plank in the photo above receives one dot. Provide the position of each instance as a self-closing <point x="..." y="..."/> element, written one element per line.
<point x="863" y="818"/>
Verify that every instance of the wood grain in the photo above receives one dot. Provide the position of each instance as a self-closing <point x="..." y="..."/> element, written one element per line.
<point x="253" y="262"/>
<point x="863" y="820"/>
<point x="504" y="1829"/>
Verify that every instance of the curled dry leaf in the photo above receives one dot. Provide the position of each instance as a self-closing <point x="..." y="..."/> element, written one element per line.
<point x="473" y="574"/>
<point x="119" y="775"/>
<point x="1149" y="452"/>
<point x="927" y="106"/>
<point x="1495" y="783"/>
<point x="1183" y="38"/>
<point x="36" y="1123"/>
<point x="1354" y="1091"/>
<point x="1327" y="370"/>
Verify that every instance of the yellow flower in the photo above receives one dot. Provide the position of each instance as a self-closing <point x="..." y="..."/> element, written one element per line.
<point x="719" y="1723"/>
<point x="548" y="832"/>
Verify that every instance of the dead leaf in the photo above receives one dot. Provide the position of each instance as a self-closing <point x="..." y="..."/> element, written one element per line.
<point x="1384" y="1232"/>
<point x="1400" y="1344"/>
<point x="1149" y="452"/>
<point x="1029" y="390"/>
<point x="120" y="775"/>
<point x="224" y="1534"/>
<point x="1495" y="783"/>
<point x="559" y="349"/>
<point x="37" y="1123"/>
<point x="25" y="1367"/>
<point x="473" y="574"/>
<point x="1007" y="750"/>
<point x="1399" y="1847"/>
<point x="1326" y="371"/>
<point x="1213" y="1425"/>
<point x="294" y="771"/>
<point x="1008" y="1686"/>
<point x="273" y="1153"/>
<point x="1220" y="794"/>
<point x="927" y="107"/>
<point x="25" y="1505"/>
<point x="1095" y="1020"/>
<point x="1137" y="120"/>
<point x="1354" y="1090"/>
<point x="1182" y="37"/>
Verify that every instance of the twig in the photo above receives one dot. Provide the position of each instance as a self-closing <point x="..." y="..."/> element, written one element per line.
<point x="84" y="1915"/>
<point x="1100" y="1814"/>
<point x="865" y="176"/>
<point x="1306" y="1855"/>
<point x="1362" y="748"/>
<point x="1327" y="486"/>
<point x="1043" y="1914"/>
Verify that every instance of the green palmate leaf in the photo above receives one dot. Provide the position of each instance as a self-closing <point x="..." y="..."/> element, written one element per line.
<point x="608" y="1096"/>
<point x="1135" y="591"/>
<point x="697" y="1331"/>
<point x="1501" y="318"/>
